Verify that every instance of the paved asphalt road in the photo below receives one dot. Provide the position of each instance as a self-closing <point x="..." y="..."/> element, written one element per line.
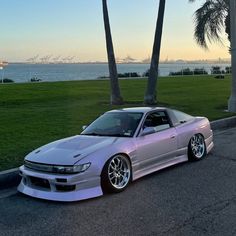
<point x="188" y="199"/>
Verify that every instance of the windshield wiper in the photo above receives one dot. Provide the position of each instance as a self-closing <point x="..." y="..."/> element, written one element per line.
<point x="116" y="135"/>
<point x="108" y="135"/>
<point x="92" y="134"/>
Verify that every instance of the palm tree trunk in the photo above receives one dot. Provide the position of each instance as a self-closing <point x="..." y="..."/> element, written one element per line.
<point x="116" y="98"/>
<point x="232" y="100"/>
<point x="150" y="96"/>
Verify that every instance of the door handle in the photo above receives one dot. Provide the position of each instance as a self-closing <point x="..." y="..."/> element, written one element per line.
<point x="172" y="136"/>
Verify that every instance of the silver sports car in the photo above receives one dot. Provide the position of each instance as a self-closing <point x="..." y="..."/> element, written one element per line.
<point x="116" y="149"/>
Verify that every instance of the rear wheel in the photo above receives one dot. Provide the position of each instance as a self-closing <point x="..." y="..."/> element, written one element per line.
<point x="116" y="174"/>
<point x="196" y="147"/>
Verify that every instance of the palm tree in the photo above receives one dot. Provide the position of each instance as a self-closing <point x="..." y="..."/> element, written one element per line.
<point x="150" y="95"/>
<point x="210" y="20"/>
<point x="232" y="99"/>
<point x="116" y="98"/>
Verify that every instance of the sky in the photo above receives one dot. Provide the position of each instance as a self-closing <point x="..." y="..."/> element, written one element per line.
<point x="75" y="28"/>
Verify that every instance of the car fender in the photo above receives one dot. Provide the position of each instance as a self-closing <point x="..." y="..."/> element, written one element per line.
<point x="101" y="156"/>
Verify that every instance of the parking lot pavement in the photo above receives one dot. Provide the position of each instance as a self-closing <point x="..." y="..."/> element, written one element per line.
<point x="188" y="199"/>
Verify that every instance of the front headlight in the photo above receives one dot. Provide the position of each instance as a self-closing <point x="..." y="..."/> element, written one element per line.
<point x="57" y="169"/>
<point x="71" y="169"/>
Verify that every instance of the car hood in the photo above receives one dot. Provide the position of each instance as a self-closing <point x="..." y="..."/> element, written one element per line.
<point x="71" y="150"/>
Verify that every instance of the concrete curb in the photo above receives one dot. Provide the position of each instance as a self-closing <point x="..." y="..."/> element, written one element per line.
<point x="223" y="123"/>
<point x="11" y="178"/>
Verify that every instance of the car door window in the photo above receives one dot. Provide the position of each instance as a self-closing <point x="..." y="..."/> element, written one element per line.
<point x="158" y="120"/>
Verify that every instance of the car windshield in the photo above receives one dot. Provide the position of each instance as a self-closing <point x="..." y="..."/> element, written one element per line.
<point x="115" y="124"/>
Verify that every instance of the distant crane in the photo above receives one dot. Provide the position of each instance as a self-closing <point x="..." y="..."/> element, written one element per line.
<point x="56" y="59"/>
<point x="33" y="59"/>
<point x="45" y="59"/>
<point x="129" y="59"/>
<point x="48" y="58"/>
<point x="65" y="59"/>
<point x="42" y="59"/>
<point x="70" y="59"/>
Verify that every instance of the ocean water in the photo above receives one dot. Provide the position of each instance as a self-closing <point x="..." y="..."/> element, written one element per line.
<point x="65" y="72"/>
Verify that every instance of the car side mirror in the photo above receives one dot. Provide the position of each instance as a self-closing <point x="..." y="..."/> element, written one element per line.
<point x="148" y="130"/>
<point x="84" y="127"/>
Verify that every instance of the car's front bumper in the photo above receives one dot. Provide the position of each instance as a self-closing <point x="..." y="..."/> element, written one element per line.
<point x="59" y="187"/>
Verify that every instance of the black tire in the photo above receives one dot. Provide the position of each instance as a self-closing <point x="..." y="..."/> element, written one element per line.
<point x="196" y="148"/>
<point x="116" y="174"/>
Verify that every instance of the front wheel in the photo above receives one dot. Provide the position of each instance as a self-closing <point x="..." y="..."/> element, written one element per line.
<point x="116" y="174"/>
<point x="196" y="147"/>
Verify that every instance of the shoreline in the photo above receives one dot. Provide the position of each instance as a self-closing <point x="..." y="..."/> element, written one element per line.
<point x="24" y="72"/>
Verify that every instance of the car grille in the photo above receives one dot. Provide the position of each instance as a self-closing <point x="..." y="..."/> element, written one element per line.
<point x="65" y="188"/>
<point x="39" y="182"/>
<point x="40" y="167"/>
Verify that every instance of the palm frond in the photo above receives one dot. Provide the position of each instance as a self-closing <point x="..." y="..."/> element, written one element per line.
<point x="209" y="22"/>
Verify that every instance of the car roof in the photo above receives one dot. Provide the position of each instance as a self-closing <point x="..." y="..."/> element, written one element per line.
<point x="138" y="109"/>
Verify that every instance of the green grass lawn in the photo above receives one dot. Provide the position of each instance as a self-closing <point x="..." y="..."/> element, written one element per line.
<point x="34" y="114"/>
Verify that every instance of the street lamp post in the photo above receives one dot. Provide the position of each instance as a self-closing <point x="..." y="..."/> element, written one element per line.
<point x="232" y="100"/>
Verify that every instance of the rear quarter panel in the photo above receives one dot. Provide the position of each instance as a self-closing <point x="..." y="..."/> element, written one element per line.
<point x="199" y="125"/>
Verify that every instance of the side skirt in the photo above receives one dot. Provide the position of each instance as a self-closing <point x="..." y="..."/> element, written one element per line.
<point x="140" y="173"/>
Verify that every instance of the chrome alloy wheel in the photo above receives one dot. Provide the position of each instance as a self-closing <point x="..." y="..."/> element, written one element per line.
<point x="198" y="146"/>
<point x="119" y="171"/>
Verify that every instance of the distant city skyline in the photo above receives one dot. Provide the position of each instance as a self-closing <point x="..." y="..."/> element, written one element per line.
<point x="73" y="31"/>
<point x="51" y="59"/>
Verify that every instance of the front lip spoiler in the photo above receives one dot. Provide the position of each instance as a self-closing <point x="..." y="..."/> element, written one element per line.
<point x="61" y="196"/>
<point x="85" y="189"/>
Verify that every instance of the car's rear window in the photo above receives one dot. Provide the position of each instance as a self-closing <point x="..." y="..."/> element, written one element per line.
<point x="181" y="117"/>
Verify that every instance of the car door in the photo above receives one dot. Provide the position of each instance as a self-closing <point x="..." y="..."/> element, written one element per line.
<point x="158" y="147"/>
